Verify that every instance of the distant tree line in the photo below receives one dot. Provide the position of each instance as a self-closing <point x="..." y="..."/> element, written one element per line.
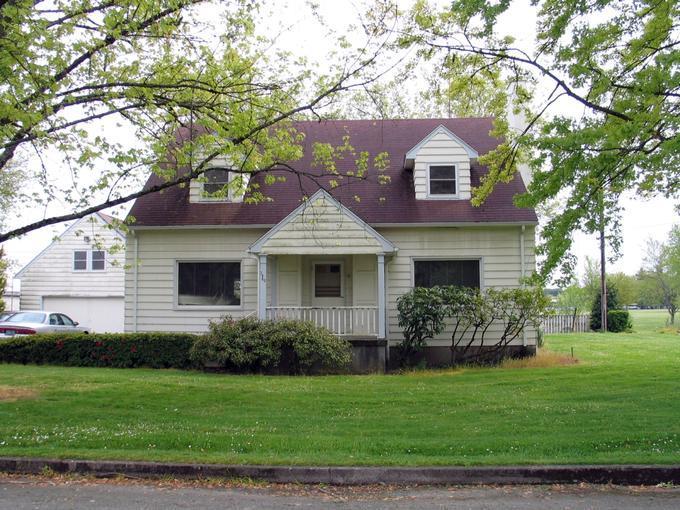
<point x="655" y="285"/>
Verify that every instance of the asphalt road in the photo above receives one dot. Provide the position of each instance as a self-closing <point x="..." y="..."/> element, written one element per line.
<point x="31" y="493"/>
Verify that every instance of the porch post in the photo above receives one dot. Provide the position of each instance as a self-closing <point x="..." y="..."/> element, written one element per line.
<point x="262" y="287"/>
<point x="381" y="296"/>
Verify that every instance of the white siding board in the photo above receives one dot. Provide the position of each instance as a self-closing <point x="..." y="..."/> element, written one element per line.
<point x="159" y="252"/>
<point x="443" y="150"/>
<point x="497" y="247"/>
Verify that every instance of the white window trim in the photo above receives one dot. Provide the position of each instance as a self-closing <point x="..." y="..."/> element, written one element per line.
<point x="342" y="277"/>
<point x="449" y="196"/>
<point x="203" y="197"/>
<point x="175" y="286"/>
<point x="482" y="286"/>
<point x="88" y="262"/>
<point x="91" y="255"/>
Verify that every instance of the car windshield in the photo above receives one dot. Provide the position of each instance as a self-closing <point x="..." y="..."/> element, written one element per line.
<point x="5" y="316"/>
<point x="27" y="317"/>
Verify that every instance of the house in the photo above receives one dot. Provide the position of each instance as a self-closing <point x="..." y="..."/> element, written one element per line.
<point x="339" y="256"/>
<point x="80" y="275"/>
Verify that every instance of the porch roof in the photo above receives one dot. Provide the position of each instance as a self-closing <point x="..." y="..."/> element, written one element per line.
<point x="322" y="225"/>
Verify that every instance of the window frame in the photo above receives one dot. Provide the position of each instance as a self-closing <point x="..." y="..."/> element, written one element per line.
<point x="443" y="196"/>
<point x="342" y="277"/>
<point x="175" y="285"/>
<point x="480" y="259"/>
<point x="92" y="260"/>
<point x="205" y="197"/>
<point x="73" y="261"/>
<point x="88" y="261"/>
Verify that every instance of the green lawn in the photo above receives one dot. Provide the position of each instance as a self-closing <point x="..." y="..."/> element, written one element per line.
<point x="619" y="404"/>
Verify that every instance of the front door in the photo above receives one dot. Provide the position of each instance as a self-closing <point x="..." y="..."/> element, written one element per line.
<point x="328" y="285"/>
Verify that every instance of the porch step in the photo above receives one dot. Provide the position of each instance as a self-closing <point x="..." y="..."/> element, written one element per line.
<point x="365" y="340"/>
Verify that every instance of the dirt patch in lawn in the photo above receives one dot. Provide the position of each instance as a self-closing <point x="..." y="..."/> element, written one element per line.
<point x="543" y="359"/>
<point x="13" y="393"/>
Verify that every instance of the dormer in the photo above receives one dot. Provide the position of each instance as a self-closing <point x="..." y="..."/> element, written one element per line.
<point x="219" y="183"/>
<point x="441" y="166"/>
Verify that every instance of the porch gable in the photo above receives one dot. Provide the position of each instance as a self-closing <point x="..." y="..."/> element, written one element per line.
<point x="322" y="225"/>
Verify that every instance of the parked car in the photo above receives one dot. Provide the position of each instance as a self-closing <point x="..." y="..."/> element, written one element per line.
<point x="31" y="323"/>
<point x="6" y="315"/>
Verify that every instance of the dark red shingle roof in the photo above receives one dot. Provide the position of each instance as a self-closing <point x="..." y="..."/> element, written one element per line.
<point x="390" y="203"/>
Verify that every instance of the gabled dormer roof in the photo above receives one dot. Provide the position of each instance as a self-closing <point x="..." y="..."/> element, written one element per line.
<point x="327" y="223"/>
<point x="411" y="155"/>
<point x="104" y="218"/>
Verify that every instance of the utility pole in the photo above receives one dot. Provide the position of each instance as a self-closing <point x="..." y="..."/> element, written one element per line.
<point x="603" y="273"/>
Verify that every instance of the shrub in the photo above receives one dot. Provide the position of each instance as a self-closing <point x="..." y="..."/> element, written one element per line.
<point x="292" y="347"/>
<point x="618" y="321"/>
<point x="421" y="315"/>
<point x="124" y="350"/>
<point x="612" y="304"/>
<point x="229" y="343"/>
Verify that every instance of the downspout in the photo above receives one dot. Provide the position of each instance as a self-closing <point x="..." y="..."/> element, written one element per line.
<point x="136" y="285"/>
<point x="522" y="273"/>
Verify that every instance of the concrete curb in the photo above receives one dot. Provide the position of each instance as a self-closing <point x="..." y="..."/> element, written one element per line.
<point x="514" y="475"/>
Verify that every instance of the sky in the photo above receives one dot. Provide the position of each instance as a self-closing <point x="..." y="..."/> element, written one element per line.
<point x="304" y="35"/>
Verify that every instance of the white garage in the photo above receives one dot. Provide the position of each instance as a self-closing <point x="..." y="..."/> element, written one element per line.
<point x="100" y="314"/>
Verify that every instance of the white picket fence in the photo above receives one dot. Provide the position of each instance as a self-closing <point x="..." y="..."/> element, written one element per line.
<point x="566" y="323"/>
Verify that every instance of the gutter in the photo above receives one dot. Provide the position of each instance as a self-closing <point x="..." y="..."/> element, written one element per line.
<point x="136" y="284"/>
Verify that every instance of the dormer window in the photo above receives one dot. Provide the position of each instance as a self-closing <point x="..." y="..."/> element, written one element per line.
<point x="215" y="180"/>
<point x="442" y="181"/>
<point x="219" y="184"/>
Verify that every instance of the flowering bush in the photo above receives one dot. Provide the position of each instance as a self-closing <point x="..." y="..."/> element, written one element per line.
<point x="125" y="350"/>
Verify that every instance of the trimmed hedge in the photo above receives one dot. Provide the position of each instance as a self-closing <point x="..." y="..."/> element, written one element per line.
<point x="124" y="350"/>
<point x="618" y="321"/>
<point x="282" y="347"/>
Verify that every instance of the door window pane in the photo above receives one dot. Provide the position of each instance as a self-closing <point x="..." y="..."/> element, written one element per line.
<point x="327" y="280"/>
<point x="209" y="284"/>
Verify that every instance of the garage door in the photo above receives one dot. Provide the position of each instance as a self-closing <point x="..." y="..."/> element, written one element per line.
<point x="100" y="314"/>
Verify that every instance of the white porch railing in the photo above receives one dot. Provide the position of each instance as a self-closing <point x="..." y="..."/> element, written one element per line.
<point x="340" y="320"/>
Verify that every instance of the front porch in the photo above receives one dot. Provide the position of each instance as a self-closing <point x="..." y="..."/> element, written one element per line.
<point x="322" y="263"/>
<point x="343" y="293"/>
<point x="345" y="321"/>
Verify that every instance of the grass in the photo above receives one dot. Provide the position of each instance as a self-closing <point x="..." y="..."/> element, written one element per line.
<point x="618" y="404"/>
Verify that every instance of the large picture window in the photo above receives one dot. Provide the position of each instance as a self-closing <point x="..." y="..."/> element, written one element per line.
<point x="209" y="284"/>
<point x="463" y="273"/>
<point x="442" y="180"/>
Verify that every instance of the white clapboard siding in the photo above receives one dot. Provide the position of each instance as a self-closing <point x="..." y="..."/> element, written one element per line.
<point x="51" y="272"/>
<point x="441" y="149"/>
<point x="150" y="286"/>
<point x="498" y="248"/>
<point x="322" y="228"/>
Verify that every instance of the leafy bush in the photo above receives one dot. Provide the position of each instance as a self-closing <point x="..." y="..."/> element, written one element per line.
<point x="421" y="315"/>
<point x="229" y="343"/>
<point x="618" y="321"/>
<point x="125" y="350"/>
<point x="250" y="345"/>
